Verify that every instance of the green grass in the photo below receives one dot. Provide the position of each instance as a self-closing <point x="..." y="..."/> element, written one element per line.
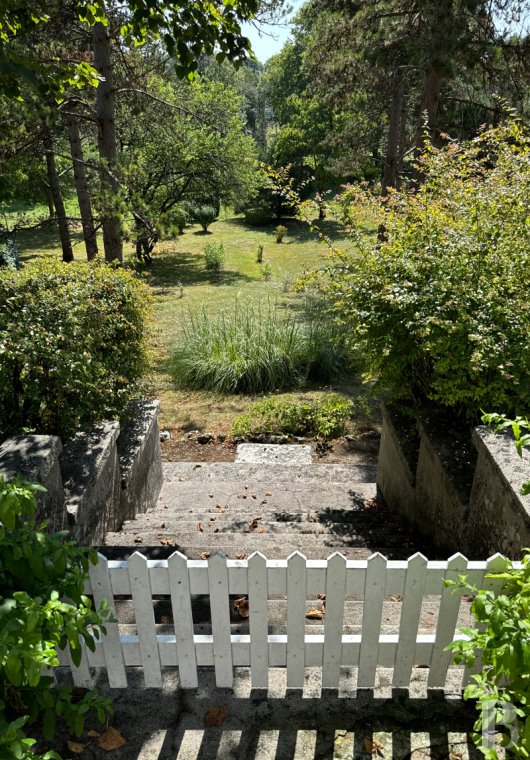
<point x="181" y="284"/>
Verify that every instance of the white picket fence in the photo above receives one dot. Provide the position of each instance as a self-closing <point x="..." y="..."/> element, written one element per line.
<point x="296" y="578"/>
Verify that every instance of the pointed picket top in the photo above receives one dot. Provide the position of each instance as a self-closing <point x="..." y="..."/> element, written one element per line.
<point x="377" y="559"/>
<point x="218" y="559"/>
<point x="101" y="556"/>
<point x="296" y="557"/>
<point x="496" y="563"/>
<point x="333" y="557"/>
<point x="417" y="559"/>
<point x="137" y="556"/>
<point x="177" y="555"/>
<point x="456" y="559"/>
<point x="256" y="558"/>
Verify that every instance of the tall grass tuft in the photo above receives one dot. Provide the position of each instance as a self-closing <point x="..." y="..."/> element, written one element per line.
<point x="248" y="350"/>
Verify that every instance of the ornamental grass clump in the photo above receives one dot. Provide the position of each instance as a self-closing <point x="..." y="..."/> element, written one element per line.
<point x="438" y="306"/>
<point x="244" y="350"/>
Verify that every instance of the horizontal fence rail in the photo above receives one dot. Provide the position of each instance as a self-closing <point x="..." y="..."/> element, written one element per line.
<point x="298" y="582"/>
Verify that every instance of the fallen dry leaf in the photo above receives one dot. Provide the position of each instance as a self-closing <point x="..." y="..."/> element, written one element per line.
<point x="216" y="530"/>
<point x="111" y="739"/>
<point x="241" y="555"/>
<point x="93" y="733"/>
<point x="254" y="524"/>
<point x="242" y="496"/>
<point x="241" y="606"/>
<point x="199" y="527"/>
<point x="314" y="614"/>
<point x="76" y="747"/>
<point x="216" y="716"/>
<point x="138" y="540"/>
<point x="261" y="529"/>
<point x="268" y="493"/>
<point x="396" y="598"/>
<point x="163" y="525"/>
<point x="205" y="555"/>
<point x="211" y="519"/>
<point x="166" y="619"/>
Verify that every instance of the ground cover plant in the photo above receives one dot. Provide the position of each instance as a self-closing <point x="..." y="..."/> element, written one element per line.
<point x="325" y="416"/>
<point x="71" y="344"/>
<point x="214" y="256"/>
<point x="39" y="571"/>
<point x="438" y="306"/>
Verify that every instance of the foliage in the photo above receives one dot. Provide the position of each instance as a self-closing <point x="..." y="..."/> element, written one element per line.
<point x="259" y="253"/>
<point x="204" y="215"/>
<point x="39" y="571"/>
<point x="187" y="32"/>
<point x="266" y="270"/>
<point x="258" y="216"/>
<point x="325" y="417"/>
<point x="281" y="232"/>
<point x="499" y="422"/>
<point x="9" y="254"/>
<point x="502" y="639"/>
<point x="438" y="305"/>
<point x="176" y="220"/>
<point x="71" y="344"/>
<point x="214" y="254"/>
<point x="249" y="350"/>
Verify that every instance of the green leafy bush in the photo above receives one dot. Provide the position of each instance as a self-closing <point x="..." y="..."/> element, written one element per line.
<point x="325" y="417"/>
<point x="71" y="345"/>
<point x="39" y="571"/>
<point x="248" y="350"/>
<point x="502" y="639"/>
<point x="204" y="215"/>
<point x="259" y="253"/>
<point x="258" y="216"/>
<point x="438" y="306"/>
<point x="9" y="254"/>
<point x="177" y="219"/>
<point x="266" y="270"/>
<point x="281" y="232"/>
<point x="214" y="255"/>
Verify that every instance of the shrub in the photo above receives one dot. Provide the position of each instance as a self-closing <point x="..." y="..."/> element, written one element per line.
<point x="258" y="216"/>
<point x="248" y="350"/>
<point x="501" y="638"/>
<point x="325" y="417"/>
<point x="9" y="254"/>
<point x="204" y="215"/>
<point x="71" y="345"/>
<point x="439" y="305"/>
<point x="214" y="254"/>
<point x="177" y="219"/>
<point x="281" y="231"/>
<point x="259" y="253"/>
<point x="42" y="609"/>
<point x="266" y="270"/>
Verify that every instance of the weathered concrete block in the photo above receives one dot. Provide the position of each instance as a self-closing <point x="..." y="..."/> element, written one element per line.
<point x="36" y="457"/>
<point x="91" y="476"/>
<point x="395" y="475"/>
<point x="440" y="506"/>
<point x="140" y="460"/>
<point x="260" y="453"/>
<point x="499" y="517"/>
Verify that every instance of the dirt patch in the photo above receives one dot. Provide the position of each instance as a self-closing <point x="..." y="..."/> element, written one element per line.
<point x="352" y="449"/>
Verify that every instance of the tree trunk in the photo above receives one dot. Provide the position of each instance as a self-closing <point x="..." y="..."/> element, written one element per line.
<point x="57" y="196"/>
<point x="392" y="155"/>
<point x="81" y="186"/>
<point x="430" y="102"/>
<point x="105" y="107"/>
<point x="49" y="201"/>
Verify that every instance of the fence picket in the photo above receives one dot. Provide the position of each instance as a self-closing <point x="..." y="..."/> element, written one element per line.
<point x="374" y="594"/>
<point x="112" y="650"/>
<point x="446" y="625"/>
<point x="145" y="620"/>
<point x="179" y="585"/>
<point x="258" y="620"/>
<point x="410" y="618"/>
<point x="334" y="619"/>
<point x="296" y="601"/>
<point x="495" y="564"/>
<point x="81" y="674"/>
<point x="220" y="611"/>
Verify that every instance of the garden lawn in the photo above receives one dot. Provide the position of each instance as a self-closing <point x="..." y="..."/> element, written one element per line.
<point x="182" y="285"/>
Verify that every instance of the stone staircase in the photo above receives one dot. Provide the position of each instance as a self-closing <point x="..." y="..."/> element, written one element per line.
<point x="275" y="508"/>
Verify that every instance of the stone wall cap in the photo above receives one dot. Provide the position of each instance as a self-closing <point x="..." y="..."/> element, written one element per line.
<point x="500" y="447"/>
<point x="30" y="455"/>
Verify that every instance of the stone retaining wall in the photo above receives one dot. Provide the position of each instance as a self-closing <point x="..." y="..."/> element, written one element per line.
<point x="478" y="511"/>
<point x="95" y="480"/>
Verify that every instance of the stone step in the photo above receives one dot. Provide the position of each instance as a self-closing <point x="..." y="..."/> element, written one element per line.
<point x="269" y="473"/>
<point x="183" y="529"/>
